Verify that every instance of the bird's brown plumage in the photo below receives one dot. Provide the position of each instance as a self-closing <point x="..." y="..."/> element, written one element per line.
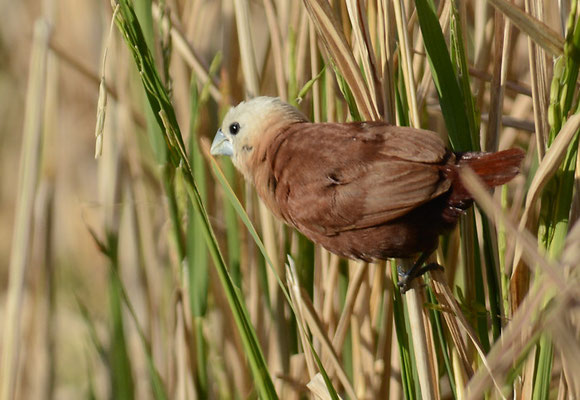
<point x="363" y="190"/>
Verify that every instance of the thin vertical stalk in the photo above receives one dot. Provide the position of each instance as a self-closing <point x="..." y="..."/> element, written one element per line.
<point x="406" y="62"/>
<point x="539" y="79"/>
<point x="23" y="220"/>
<point x="427" y="380"/>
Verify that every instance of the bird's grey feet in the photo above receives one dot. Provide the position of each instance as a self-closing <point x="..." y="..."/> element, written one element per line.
<point x="406" y="277"/>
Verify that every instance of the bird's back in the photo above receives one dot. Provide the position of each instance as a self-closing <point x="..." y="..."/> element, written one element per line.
<point x="341" y="184"/>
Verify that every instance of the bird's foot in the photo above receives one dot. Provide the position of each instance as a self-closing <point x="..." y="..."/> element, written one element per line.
<point x="406" y="277"/>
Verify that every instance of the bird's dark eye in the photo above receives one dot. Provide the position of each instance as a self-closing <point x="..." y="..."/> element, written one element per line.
<point x="234" y="128"/>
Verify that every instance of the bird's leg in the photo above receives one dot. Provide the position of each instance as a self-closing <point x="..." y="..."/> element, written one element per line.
<point x="406" y="277"/>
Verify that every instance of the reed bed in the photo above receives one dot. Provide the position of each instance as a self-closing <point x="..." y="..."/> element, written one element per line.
<point x="135" y="265"/>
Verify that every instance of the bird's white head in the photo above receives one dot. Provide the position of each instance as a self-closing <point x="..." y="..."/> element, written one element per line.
<point x="249" y="124"/>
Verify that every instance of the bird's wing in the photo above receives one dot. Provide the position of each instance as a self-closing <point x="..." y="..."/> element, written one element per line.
<point x="337" y="177"/>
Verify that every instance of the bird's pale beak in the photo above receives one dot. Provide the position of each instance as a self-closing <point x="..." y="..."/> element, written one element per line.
<point x="221" y="145"/>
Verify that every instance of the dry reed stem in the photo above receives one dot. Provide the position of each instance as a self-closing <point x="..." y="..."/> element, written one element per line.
<point x="511" y="122"/>
<point x="189" y="54"/>
<point x="337" y="46"/>
<point x="540" y="89"/>
<point x="357" y="363"/>
<point x="562" y="389"/>
<point x="329" y="289"/>
<point x="451" y="308"/>
<point x="539" y="32"/>
<point x="184" y="379"/>
<point x="361" y="348"/>
<point x="406" y="60"/>
<point x="571" y="253"/>
<point x="431" y="352"/>
<point x="423" y="357"/>
<point x="333" y="365"/>
<point x="384" y="350"/>
<point x="359" y="23"/>
<point x="539" y="79"/>
<point x="445" y="297"/>
<point x="306" y="316"/>
<point x="515" y="86"/>
<point x="377" y="292"/>
<point x="302" y="47"/>
<point x="23" y="221"/>
<point x="318" y="387"/>
<point x="42" y="357"/>
<point x="395" y="384"/>
<point x="314" y="68"/>
<point x="144" y="228"/>
<point x="251" y="79"/>
<point x="531" y="254"/>
<point x="277" y="53"/>
<point x="354" y="285"/>
<point x="555" y="286"/>
<point x="514" y="339"/>
<point x="415" y="305"/>
<point x="458" y="374"/>
<point x="250" y="71"/>
<point x="497" y="87"/>
<point x="388" y="85"/>
<point x="296" y="298"/>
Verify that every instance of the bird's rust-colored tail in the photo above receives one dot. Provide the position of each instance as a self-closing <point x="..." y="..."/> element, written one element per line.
<point x="493" y="169"/>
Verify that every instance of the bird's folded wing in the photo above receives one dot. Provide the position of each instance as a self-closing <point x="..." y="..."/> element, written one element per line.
<point x="333" y="181"/>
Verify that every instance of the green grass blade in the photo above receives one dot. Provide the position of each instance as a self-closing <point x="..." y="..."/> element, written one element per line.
<point x="231" y="196"/>
<point x="232" y="229"/>
<point x="156" y="382"/>
<point x="491" y="260"/>
<point x="327" y="381"/>
<point x="543" y="373"/>
<point x="348" y="96"/>
<point x="476" y="299"/>
<point x="493" y="274"/>
<point x="157" y="385"/>
<point x="197" y="256"/>
<point x="91" y="394"/>
<point x="558" y="194"/>
<point x="305" y="258"/>
<point x="121" y="376"/>
<point x="451" y="97"/>
<point x="157" y="97"/>
<point x="554" y="214"/>
<point x="122" y="384"/>
<point x="405" y="350"/>
<point x="460" y="59"/>
<point x="308" y="85"/>
<point x="165" y="116"/>
<point x="402" y="105"/>
<point x="92" y="330"/>
<point x="439" y="334"/>
<point x="145" y="17"/>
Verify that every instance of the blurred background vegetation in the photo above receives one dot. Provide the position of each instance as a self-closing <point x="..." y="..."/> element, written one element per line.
<point x="138" y="273"/>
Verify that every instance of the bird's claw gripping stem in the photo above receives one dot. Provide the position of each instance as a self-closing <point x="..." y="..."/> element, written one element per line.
<point x="406" y="277"/>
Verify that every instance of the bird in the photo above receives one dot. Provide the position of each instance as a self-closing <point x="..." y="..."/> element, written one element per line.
<point x="367" y="191"/>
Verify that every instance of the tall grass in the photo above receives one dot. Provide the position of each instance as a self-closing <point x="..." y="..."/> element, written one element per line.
<point x="167" y="276"/>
